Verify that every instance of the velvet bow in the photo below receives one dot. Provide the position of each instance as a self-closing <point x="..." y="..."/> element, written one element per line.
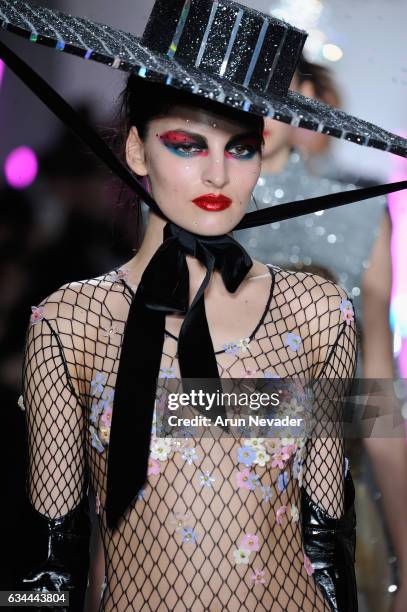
<point x="163" y="289"/>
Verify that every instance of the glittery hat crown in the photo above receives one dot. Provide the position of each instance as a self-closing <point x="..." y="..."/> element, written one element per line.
<point x="227" y="39"/>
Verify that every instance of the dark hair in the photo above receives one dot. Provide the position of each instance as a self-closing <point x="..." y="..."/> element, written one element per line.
<point x="320" y="76"/>
<point x="144" y="100"/>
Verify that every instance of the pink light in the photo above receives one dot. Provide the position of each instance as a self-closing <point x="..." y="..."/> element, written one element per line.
<point x="1" y="71"/>
<point x="21" y="167"/>
<point x="398" y="213"/>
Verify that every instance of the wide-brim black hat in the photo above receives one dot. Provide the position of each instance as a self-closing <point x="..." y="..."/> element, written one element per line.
<point x="213" y="48"/>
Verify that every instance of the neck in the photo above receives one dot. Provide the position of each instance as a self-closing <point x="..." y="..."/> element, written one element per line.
<point x="153" y="238"/>
<point x="275" y="163"/>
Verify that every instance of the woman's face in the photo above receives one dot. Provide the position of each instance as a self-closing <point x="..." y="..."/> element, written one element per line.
<point x="202" y="168"/>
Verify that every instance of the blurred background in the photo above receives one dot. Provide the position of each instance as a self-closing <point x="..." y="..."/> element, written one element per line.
<point x="63" y="217"/>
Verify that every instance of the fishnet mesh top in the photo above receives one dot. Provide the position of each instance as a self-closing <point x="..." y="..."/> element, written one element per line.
<point x="215" y="527"/>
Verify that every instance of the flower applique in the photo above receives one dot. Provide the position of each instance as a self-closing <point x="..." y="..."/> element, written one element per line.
<point x="140" y="495"/>
<point x="189" y="455"/>
<point x="295" y="515"/>
<point x="118" y="275"/>
<point x="95" y="412"/>
<point x="108" y="332"/>
<point x="282" y="481"/>
<point x="250" y="542"/>
<point x="308" y="565"/>
<point x="160" y="448"/>
<point x="20" y="402"/>
<point x="206" y="479"/>
<point x="167" y="373"/>
<point x="179" y="520"/>
<point x="188" y="535"/>
<point x="97" y="385"/>
<point x="280" y="512"/>
<point x="293" y="341"/>
<point x="242" y="345"/>
<point x="95" y="441"/>
<point x="258" y="577"/>
<point x="37" y="314"/>
<point x="247" y="479"/>
<point x="347" y="311"/>
<point x="267" y="492"/>
<point x="241" y="556"/>
<point x="256" y="443"/>
<point x="153" y="467"/>
<point x="261" y="458"/>
<point x="246" y="455"/>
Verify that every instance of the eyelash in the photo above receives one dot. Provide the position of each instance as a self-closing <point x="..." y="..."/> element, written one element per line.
<point x="185" y="149"/>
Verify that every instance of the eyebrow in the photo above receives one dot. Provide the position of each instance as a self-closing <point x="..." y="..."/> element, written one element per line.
<point x="202" y="140"/>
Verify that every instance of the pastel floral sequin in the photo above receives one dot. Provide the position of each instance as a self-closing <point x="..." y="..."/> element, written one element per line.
<point x="37" y="314"/>
<point x="206" y="479"/>
<point x="167" y="373"/>
<point x="247" y="479"/>
<point x="249" y="544"/>
<point x="293" y="341"/>
<point x="98" y="383"/>
<point x="95" y="441"/>
<point x="242" y="556"/>
<point x="20" y="402"/>
<point x="242" y="345"/>
<point x="188" y="534"/>
<point x="246" y="455"/>
<point x="118" y="275"/>
<point x="280" y="512"/>
<point x="258" y="577"/>
<point x="347" y="311"/>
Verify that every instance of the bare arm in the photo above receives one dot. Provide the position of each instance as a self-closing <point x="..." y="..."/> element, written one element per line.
<point x="388" y="457"/>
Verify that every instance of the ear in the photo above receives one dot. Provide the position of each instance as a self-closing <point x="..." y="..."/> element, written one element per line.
<point x="135" y="153"/>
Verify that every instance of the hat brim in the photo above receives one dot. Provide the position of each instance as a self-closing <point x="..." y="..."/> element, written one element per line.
<point x="124" y="51"/>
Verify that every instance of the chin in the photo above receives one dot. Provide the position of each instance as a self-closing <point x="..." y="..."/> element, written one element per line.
<point x="212" y="224"/>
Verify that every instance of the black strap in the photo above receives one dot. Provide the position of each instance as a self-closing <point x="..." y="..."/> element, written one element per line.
<point x="81" y="128"/>
<point x="74" y="121"/>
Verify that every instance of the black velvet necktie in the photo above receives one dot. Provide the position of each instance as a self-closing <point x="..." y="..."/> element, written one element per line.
<point x="163" y="289"/>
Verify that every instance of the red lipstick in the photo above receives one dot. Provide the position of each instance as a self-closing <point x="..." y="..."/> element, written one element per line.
<point x="212" y="202"/>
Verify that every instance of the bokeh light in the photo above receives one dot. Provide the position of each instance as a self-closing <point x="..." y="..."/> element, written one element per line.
<point x="21" y="167"/>
<point x="331" y="52"/>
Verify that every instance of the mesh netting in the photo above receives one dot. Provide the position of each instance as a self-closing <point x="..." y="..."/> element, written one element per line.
<point x="218" y="524"/>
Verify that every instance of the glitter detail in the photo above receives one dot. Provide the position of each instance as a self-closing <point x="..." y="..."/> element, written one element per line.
<point x="88" y="54"/>
<point x="179" y="29"/>
<point x="60" y="46"/>
<point x="33" y="37"/>
<point x="116" y="62"/>
<point x="256" y="53"/>
<point x="231" y="43"/>
<point x="207" y="32"/>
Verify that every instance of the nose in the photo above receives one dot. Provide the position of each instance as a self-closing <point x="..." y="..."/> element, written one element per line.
<point x="215" y="172"/>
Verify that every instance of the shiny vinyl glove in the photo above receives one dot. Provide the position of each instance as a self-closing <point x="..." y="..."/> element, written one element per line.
<point x="66" y="565"/>
<point x="330" y="545"/>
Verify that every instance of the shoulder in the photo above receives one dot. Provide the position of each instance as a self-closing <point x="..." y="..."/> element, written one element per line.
<point x="79" y="295"/>
<point x="76" y="307"/>
<point x="318" y="300"/>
